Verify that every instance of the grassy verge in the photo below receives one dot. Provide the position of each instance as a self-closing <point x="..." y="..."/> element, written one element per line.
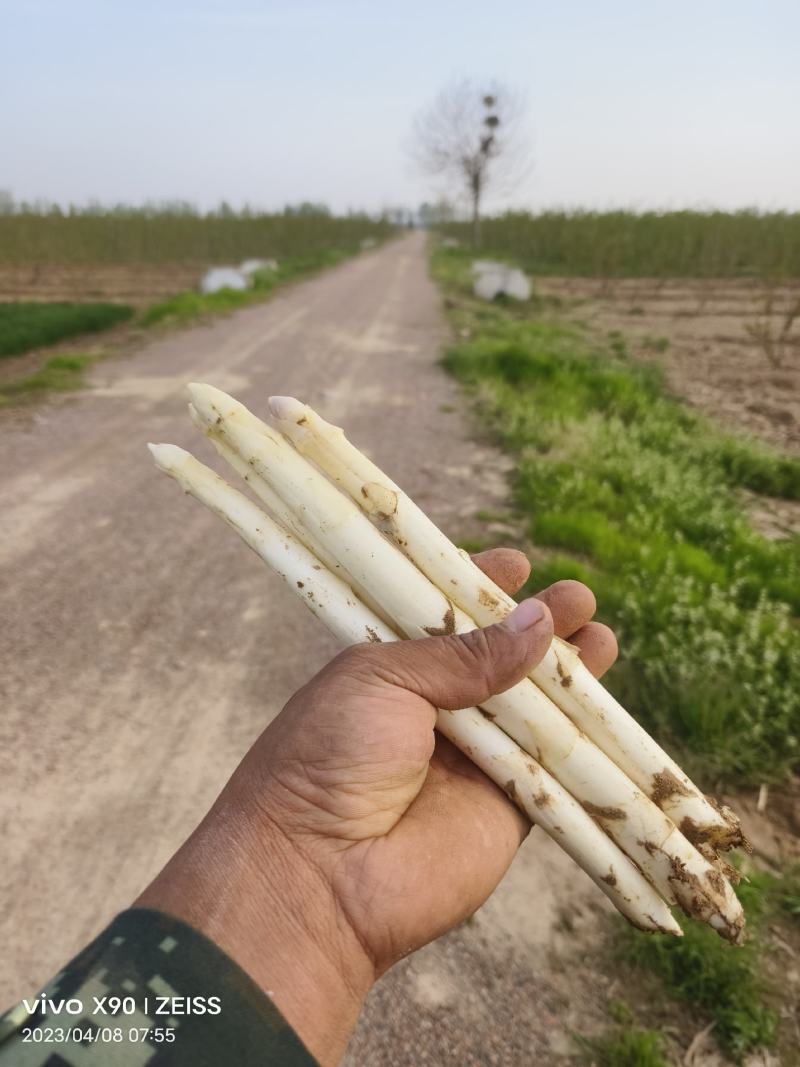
<point x="25" y="325"/>
<point x="60" y="374"/>
<point x="183" y="308"/>
<point x="65" y="373"/>
<point x="622" y="486"/>
<point x="720" y="985"/>
<point x="638" y="496"/>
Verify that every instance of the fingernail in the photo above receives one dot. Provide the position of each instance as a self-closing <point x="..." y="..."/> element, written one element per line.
<point x="525" y="616"/>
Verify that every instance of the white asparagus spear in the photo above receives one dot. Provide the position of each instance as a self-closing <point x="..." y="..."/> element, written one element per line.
<point x="282" y="513"/>
<point x="534" y="791"/>
<point x="263" y="491"/>
<point x="417" y="608"/>
<point x="561" y="674"/>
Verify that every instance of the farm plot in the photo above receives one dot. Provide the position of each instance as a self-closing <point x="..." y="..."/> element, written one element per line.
<point x="115" y="283"/>
<point x="25" y="325"/>
<point x="146" y="267"/>
<point x="138" y="255"/>
<point x="730" y="347"/>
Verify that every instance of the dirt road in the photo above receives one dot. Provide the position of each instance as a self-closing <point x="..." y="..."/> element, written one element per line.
<point x="144" y="648"/>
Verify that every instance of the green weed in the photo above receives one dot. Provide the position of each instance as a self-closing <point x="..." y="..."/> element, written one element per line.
<point x="655" y="344"/>
<point x="59" y="374"/>
<point x="790" y="901"/>
<point x="778" y="893"/>
<point x="25" y="325"/>
<point x="626" y="1048"/>
<point x="473" y="545"/>
<point x="490" y="516"/>
<point x="718" y="982"/>
<point x="721" y="982"/>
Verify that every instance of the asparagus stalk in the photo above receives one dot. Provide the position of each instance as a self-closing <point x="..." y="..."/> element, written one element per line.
<point x="263" y="491"/>
<point x="535" y="792"/>
<point x="561" y="674"/>
<point x="268" y="496"/>
<point x="526" y="714"/>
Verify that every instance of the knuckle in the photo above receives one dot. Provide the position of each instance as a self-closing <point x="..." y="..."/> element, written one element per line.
<point x="478" y="656"/>
<point x="354" y="661"/>
<point x="370" y="665"/>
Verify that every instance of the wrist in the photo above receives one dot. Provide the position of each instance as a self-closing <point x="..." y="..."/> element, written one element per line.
<point x="242" y="883"/>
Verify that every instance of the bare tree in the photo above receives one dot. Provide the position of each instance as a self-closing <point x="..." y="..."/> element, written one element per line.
<point x="774" y="340"/>
<point x="472" y="134"/>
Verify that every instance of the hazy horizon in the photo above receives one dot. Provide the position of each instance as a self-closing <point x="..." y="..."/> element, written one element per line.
<point x="677" y="107"/>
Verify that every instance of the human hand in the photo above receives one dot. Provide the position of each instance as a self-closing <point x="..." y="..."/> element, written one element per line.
<point x="350" y="834"/>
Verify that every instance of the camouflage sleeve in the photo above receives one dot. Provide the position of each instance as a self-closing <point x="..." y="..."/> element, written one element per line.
<point x="150" y="991"/>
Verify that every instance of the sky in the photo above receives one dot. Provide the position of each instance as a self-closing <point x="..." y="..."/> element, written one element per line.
<point x="628" y="104"/>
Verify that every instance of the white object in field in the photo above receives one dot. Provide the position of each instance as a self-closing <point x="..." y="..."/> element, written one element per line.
<point x="493" y="280"/>
<point x="536" y="792"/>
<point x="481" y="266"/>
<point x="418" y="608"/>
<point x="251" y="266"/>
<point x="516" y="285"/>
<point x="450" y="242"/>
<point x="367" y="243"/>
<point x="488" y="284"/>
<point x="219" y="278"/>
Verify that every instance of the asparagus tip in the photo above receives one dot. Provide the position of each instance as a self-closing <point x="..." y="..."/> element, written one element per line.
<point x="200" y="392"/>
<point x="197" y="390"/>
<point x="167" y="457"/>
<point x="194" y="415"/>
<point x="211" y="403"/>
<point x="286" y="407"/>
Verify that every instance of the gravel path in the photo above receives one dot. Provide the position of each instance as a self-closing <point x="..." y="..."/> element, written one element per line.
<point x="143" y="648"/>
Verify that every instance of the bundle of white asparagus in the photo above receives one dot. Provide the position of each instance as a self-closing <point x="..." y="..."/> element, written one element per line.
<point x="373" y="567"/>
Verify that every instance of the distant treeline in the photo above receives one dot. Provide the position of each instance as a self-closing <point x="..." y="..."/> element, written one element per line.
<point x="180" y="234"/>
<point x="624" y="244"/>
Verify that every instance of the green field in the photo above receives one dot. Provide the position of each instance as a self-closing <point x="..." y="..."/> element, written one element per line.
<point x="652" y="244"/>
<point x="26" y="325"/>
<point x="128" y="236"/>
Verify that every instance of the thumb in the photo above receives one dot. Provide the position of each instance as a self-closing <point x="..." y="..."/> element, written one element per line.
<point x="465" y="669"/>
